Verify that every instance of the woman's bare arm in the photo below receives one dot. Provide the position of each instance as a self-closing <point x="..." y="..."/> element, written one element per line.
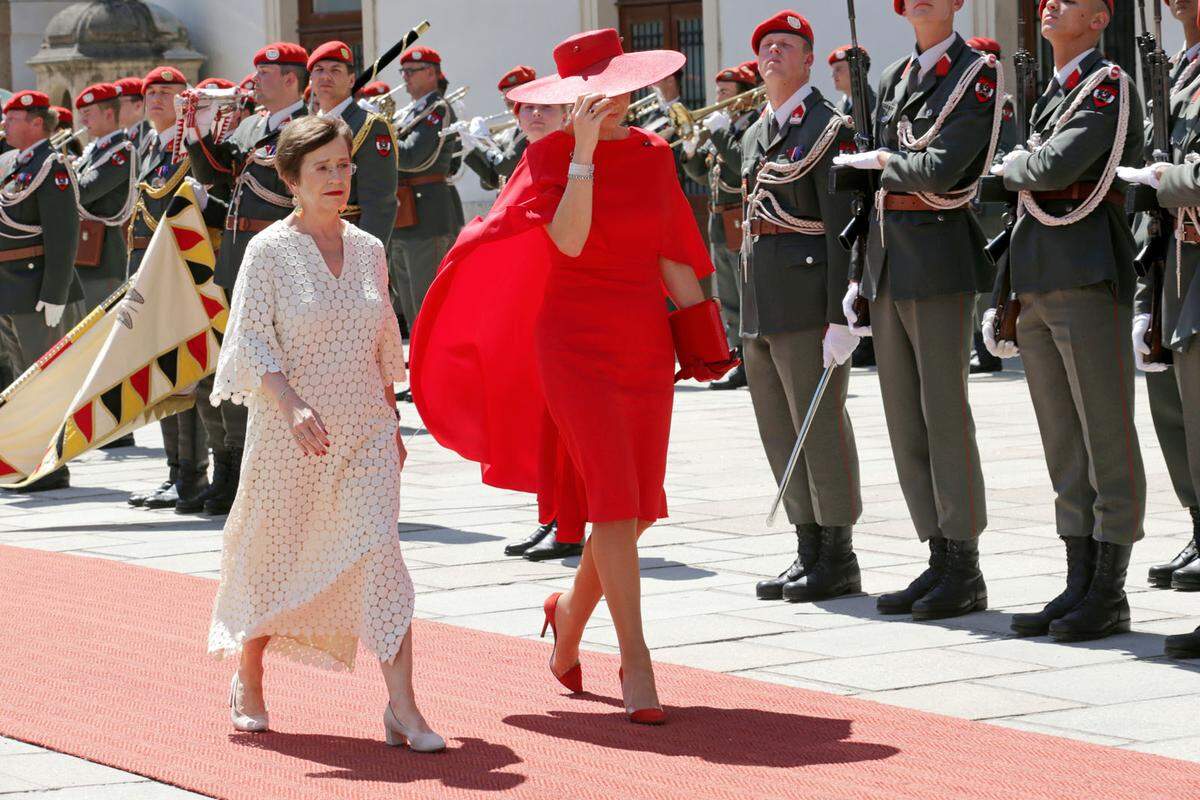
<point x="681" y="283"/>
<point x="573" y="219"/>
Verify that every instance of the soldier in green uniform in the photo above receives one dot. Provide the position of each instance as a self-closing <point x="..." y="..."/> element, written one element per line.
<point x="1071" y="265"/>
<point x="493" y="158"/>
<point x="937" y="122"/>
<point x="1175" y="389"/>
<point x="161" y="169"/>
<point x="39" y="231"/>
<point x="107" y="177"/>
<point x="244" y="165"/>
<point x="132" y="113"/>
<point x="372" y="203"/>
<point x="430" y="211"/>
<point x="1162" y="388"/>
<point x="717" y="163"/>
<point x="793" y="327"/>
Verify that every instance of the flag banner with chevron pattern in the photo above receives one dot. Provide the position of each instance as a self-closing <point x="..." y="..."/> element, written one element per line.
<point x="134" y="360"/>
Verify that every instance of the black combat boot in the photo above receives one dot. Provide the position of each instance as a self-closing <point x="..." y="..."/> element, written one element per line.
<point x="167" y="498"/>
<point x="195" y="503"/>
<point x="1183" y="645"/>
<point x="138" y="499"/>
<point x="519" y="548"/>
<point x="808" y="544"/>
<point x="960" y="589"/>
<point x="59" y="479"/>
<point x="219" y="503"/>
<point x="193" y="482"/>
<point x="1104" y="610"/>
<point x="902" y="602"/>
<point x="1081" y="564"/>
<point x="550" y="548"/>
<point x="117" y="444"/>
<point x="836" y="572"/>
<point x="1160" y="574"/>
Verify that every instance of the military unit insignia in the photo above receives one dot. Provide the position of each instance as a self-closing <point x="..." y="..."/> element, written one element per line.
<point x="62" y="180"/>
<point x="985" y="89"/>
<point x="118" y="159"/>
<point x="434" y="119"/>
<point x="383" y="144"/>
<point x="1103" y="96"/>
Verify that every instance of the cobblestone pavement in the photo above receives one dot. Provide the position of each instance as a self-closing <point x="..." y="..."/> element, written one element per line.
<point x="699" y="570"/>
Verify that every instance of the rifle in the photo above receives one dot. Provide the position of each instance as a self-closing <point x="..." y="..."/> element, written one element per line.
<point x="369" y="74"/>
<point x="1151" y="262"/>
<point x="1008" y="307"/>
<point x="848" y="179"/>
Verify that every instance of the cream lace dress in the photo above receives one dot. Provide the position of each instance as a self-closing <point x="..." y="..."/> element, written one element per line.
<point x="311" y="554"/>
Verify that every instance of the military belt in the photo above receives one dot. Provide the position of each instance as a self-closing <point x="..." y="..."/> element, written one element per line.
<point x="138" y="242"/>
<point x="1080" y="191"/>
<point x="243" y="224"/>
<point x="760" y="227"/>
<point x="1190" y="234"/>
<point x="422" y="180"/>
<point x="21" y="253"/>
<point x="907" y="202"/>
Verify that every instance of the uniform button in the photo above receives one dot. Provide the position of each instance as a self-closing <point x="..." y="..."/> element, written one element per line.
<point x="808" y="260"/>
<point x="29" y="265"/>
<point x="941" y="218"/>
<point x="1070" y="209"/>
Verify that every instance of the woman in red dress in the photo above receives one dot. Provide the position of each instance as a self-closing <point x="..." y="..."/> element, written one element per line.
<point x="551" y="312"/>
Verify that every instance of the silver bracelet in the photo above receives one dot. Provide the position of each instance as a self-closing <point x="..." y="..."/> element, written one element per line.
<point x="581" y="172"/>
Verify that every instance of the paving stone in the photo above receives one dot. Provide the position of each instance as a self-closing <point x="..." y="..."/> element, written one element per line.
<point x="900" y="670"/>
<point x="1119" y="682"/>
<point x="49" y="770"/>
<point x="969" y="700"/>
<point x="1140" y="720"/>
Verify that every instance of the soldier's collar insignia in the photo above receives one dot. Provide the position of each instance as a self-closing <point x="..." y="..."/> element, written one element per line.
<point x="1072" y="81"/>
<point x="943" y="66"/>
<point x="797" y="115"/>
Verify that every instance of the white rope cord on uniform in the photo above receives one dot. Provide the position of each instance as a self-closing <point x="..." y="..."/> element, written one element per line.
<point x="962" y="197"/>
<point x="1188" y="73"/>
<point x="131" y="194"/>
<point x="9" y="199"/>
<point x="437" y="151"/>
<point x="762" y="204"/>
<point x="1026" y="201"/>
<point x="1184" y="216"/>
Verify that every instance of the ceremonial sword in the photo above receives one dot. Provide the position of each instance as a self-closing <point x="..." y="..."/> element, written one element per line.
<point x="804" y="429"/>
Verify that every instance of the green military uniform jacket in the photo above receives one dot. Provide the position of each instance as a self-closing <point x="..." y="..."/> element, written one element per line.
<point x="142" y="135"/>
<point x="795" y="282"/>
<point x="107" y="173"/>
<point x="246" y="157"/>
<point x="36" y="189"/>
<point x="422" y="152"/>
<point x="1100" y="247"/>
<point x="931" y="253"/>
<point x="494" y="165"/>
<point x="717" y="163"/>
<point x="373" y="187"/>
<point x="845" y="106"/>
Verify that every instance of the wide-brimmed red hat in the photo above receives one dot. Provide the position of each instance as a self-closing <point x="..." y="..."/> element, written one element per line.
<point x="594" y="62"/>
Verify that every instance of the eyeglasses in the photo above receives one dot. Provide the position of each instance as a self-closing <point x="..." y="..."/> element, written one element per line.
<point x="414" y="70"/>
<point x="327" y="171"/>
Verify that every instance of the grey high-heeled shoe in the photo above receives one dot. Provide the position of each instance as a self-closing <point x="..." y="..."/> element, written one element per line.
<point x="397" y="734"/>
<point x="246" y="723"/>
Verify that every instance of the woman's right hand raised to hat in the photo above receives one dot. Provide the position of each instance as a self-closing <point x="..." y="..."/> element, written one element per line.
<point x="586" y="120"/>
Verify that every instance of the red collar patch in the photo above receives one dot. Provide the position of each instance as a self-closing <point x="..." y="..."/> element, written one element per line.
<point x="942" y="69"/>
<point x="1072" y="81"/>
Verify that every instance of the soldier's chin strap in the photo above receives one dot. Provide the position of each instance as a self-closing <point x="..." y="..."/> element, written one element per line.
<point x="1025" y="199"/>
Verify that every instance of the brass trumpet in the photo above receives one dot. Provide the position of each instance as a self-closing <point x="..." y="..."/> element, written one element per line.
<point x="686" y="121"/>
<point x="449" y="99"/>
<point x="638" y="107"/>
<point x="62" y="138"/>
<point x="493" y="127"/>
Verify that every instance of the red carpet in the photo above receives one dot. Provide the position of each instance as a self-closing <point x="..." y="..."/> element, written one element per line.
<point x="106" y="661"/>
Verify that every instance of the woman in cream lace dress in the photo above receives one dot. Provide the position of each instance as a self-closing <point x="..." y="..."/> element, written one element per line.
<point x="311" y="561"/>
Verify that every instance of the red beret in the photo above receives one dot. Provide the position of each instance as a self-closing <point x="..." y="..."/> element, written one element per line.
<point x="331" y="51"/>
<point x="128" y="87"/>
<point x="784" y="22"/>
<point x="374" y="89"/>
<point x="214" y="83"/>
<point x="96" y="93"/>
<point x="736" y="75"/>
<point x="984" y="45"/>
<point x="27" y="99"/>
<point x="421" y="55"/>
<point x="515" y="77"/>
<point x="752" y="68"/>
<point x="65" y="117"/>
<point x="168" y="75"/>
<point x="842" y="52"/>
<point x="282" y="53"/>
<point x="248" y="83"/>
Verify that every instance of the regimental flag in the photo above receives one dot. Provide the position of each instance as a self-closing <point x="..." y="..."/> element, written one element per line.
<point x="132" y="361"/>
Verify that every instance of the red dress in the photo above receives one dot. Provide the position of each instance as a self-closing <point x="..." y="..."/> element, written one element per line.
<point x="557" y="373"/>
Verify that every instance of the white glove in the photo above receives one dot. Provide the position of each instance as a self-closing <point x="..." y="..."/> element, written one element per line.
<point x="1147" y="176"/>
<point x="199" y="190"/>
<point x="867" y="160"/>
<point x="1009" y="157"/>
<point x="1003" y="349"/>
<point x="469" y="142"/>
<point x="689" y="147"/>
<point x="53" y="313"/>
<point x="478" y="128"/>
<point x="838" y="345"/>
<point x="1141" y="326"/>
<point x="848" y="310"/>
<point x="717" y="121"/>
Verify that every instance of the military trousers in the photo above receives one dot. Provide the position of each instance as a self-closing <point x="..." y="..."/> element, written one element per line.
<point x="1187" y="371"/>
<point x="783" y="370"/>
<point x="1078" y="361"/>
<point x="184" y="440"/>
<point x="97" y="290"/>
<point x="729" y="290"/>
<point x="26" y="337"/>
<point x="224" y="425"/>
<point x="1166" y="410"/>
<point x="921" y="353"/>
<point x="412" y="266"/>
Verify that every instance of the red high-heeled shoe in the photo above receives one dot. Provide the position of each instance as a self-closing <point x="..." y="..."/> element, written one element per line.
<point x="572" y="678"/>
<point x="642" y="716"/>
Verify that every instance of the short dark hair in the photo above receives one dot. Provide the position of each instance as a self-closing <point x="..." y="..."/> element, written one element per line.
<point x="300" y="72"/>
<point x="303" y="135"/>
<point x="48" y="116"/>
<point x="113" y="105"/>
